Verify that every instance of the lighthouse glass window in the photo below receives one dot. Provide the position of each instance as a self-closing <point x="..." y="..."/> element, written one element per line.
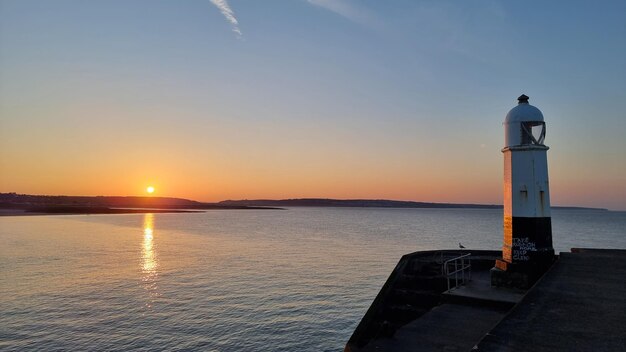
<point x="533" y="132"/>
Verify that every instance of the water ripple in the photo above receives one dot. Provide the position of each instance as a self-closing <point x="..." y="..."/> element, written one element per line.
<point x="225" y="280"/>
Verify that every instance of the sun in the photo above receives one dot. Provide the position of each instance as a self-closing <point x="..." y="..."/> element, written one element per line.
<point x="150" y="189"/>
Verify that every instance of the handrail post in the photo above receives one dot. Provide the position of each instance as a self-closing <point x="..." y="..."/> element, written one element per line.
<point x="462" y="271"/>
<point x="459" y="272"/>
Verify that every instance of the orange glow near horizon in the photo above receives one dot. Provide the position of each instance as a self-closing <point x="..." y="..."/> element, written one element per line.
<point x="321" y="172"/>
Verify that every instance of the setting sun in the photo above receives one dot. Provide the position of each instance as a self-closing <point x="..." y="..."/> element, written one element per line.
<point x="150" y="189"/>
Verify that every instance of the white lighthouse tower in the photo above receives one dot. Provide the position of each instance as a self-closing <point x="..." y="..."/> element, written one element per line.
<point x="527" y="250"/>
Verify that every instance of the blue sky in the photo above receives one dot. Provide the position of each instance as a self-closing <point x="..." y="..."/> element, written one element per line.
<point x="346" y="99"/>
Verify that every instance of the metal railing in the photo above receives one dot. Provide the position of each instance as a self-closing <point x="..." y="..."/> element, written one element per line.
<point x="458" y="269"/>
<point x="440" y="256"/>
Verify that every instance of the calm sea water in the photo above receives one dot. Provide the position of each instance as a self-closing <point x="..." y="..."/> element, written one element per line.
<point x="254" y="280"/>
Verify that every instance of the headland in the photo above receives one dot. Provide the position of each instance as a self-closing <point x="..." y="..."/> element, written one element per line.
<point x="12" y="204"/>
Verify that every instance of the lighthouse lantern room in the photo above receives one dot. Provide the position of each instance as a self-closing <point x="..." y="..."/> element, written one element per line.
<point x="527" y="249"/>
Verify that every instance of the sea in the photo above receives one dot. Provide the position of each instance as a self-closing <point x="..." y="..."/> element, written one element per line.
<point x="298" y="279"/>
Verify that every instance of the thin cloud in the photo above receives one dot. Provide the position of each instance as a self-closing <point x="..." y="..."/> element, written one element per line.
<point x="228" y="13"/>
<point x="345" y="9"/>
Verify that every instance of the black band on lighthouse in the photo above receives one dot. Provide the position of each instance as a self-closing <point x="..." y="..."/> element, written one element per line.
<point x="527" y="239"/>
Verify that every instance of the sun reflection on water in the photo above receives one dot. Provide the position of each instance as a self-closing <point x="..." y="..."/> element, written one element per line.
<point x="149" y="263"/>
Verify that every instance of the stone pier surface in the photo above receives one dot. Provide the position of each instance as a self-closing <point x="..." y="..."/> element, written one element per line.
<point x="578" y="305"/>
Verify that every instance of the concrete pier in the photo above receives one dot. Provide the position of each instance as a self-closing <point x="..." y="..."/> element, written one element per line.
<point x="578" y="305"/>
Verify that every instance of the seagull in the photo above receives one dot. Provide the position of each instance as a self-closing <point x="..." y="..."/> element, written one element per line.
<point x="461" y="246"/>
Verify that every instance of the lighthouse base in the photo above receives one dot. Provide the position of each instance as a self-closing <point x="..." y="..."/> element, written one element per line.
<point x="519" y="275"/>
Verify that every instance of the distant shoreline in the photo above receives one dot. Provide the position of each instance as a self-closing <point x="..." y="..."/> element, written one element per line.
<point x="25" y="204"/>
<point x="372" y="203"/>
<point x="13" y="204"/>
<point x="84" y="211"/>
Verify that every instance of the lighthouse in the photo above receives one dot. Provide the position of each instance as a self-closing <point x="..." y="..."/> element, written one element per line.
<point x="527" y="250"/>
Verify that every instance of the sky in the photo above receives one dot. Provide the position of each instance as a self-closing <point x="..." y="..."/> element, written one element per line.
<point x="243" y="99"/>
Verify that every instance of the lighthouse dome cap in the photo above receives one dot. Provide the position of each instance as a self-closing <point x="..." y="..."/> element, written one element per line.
<point x="523" y="112"/>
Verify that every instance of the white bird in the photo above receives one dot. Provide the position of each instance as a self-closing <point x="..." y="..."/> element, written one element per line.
<point x="461" y="246"/>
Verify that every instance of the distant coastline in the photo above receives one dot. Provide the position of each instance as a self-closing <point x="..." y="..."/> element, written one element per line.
<point x="26" y="204"/>
<point x="371" y="203"/>
<point x="77" y="210"/>
<point x="13" y="204"/>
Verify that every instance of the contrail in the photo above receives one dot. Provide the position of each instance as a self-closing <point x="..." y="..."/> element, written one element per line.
<point x="228" y="13"/>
